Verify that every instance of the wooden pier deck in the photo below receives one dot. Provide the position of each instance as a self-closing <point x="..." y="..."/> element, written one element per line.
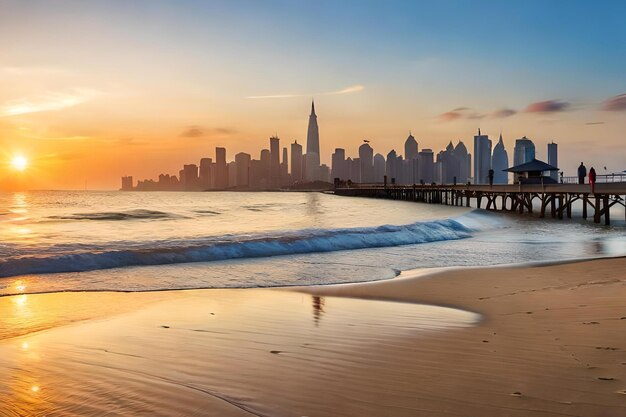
<point x="555" y="200"/>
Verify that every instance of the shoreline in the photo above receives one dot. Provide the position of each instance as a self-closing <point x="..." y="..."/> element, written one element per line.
<point x="549" y="341"/>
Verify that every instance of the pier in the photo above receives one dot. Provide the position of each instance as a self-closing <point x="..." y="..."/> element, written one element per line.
<point x="554" y="200"/>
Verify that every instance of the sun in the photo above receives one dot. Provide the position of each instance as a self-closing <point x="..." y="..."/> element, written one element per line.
<point x="19" y="162"/>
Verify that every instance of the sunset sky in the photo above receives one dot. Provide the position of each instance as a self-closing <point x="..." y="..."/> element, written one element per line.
<point x="93" y="90"/>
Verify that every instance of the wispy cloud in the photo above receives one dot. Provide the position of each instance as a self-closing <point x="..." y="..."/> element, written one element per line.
<point x="348" y="90"/>
<point x="503" y="113"/>
<point x="195" y="131"/>
<point x="548" y="106"/>
<point x="450" y="116"/>
<point x="460" y="113"/>
<point x="617" y="103"/>
<point x="47" y="102"/>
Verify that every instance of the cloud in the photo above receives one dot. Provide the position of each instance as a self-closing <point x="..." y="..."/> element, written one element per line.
<point x="594" y="123"/>
<point x="47" y="102"/>
<point x="450" y="116"/>
<point x="192" y="132"/>
<point x="503" y="113"/>
<point x="460" y="113"/>
<point x="548" y="106"/>
<point x="195" y="131"/>
<point x="617" y="103"/>
<point x="348" y="90"/>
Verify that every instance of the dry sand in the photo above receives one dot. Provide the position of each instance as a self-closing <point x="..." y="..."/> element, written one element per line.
<point x="549" y="341"/>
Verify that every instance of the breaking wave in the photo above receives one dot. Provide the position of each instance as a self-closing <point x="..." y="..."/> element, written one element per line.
<point x="234" y="246"/>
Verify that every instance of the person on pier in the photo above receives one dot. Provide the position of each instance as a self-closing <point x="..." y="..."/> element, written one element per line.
<point x="582" y="173"/>
<point x="592" y="180"/>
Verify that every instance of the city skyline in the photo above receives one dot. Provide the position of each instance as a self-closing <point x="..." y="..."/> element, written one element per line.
<point x="81" y="109"/>
<point x="276" y="168"/>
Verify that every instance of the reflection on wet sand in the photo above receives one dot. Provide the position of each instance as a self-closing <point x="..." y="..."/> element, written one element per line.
<point x="318" y="308"/>
<point x="214" y="352"/>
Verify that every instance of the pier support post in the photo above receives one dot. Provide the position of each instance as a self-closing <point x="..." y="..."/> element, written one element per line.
<point x="607" y="210"/>
<point x="596" y="211"/>
<point x="585" y="202"/>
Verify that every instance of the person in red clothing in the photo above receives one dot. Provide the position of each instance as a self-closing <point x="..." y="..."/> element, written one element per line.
<point x="592" y="179"/>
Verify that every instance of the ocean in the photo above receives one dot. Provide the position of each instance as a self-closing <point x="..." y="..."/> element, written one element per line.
<point x="144" y="241"/>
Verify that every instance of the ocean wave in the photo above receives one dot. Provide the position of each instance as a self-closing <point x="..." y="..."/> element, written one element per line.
<point x="237" y="247"/>
<point x="139" y="214"/>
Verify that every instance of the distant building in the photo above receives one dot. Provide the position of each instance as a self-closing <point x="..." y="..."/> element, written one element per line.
<point x="311" y="167"/>
<point x="482" y="158"/>
<point x="553" y="159"/>
<point x="354" y="173"/>
<point x="205" y="173"/>
<point x="338" y="165"/>
<point x="221" y="170"/>
<point x="379" y="168"/>
<point x="410" y="148"/>
<point x="312" y="147"/>
<point x="242" y="160"/>
<point x="189" y="177"/>
<point x="366" y="159"/>
<point x="232" y="174"/>
<point x="524" y="151"/>
<point x="426" y="166"/>
<point x="274" y="161"/>
<point x="284" y="168"/>
<point x="411" y="154"/>
<point x="500" y="163"/>
<point x="391" y="167"/>
<point x="266" y="162"/>
<point x="127" y="183"/>
<point x="296" y="162"/>
<point x="324" y="173"/>
<point x="465" y="163"/>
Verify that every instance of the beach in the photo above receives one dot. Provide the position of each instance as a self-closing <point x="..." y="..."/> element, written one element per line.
<point x="543" y="340"/>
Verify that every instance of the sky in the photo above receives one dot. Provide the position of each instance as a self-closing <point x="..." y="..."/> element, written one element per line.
<point x="91" y="91"/>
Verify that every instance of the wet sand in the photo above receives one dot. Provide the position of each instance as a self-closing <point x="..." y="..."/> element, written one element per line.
<point x="514" y="341"/>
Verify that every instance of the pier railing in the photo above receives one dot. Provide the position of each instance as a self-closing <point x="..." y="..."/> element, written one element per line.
<point x="604" y="178"/>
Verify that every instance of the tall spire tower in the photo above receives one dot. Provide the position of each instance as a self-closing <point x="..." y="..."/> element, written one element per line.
<point x="313" y="136"/>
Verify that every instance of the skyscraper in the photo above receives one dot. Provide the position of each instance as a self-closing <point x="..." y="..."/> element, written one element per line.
<point x="205" y="173"/>
<point x="500" y="163"/>
<point x="242" y="160"/>
<point x="482" y="158"/>
<point x="553" y="159"/>
<point x="221" y="169"/>
<point x="190" y="177"/>
<point x="338" y="165"/>
<point x="366" y="159"/>
<point x="411" y="162"/>
<point x="379" y="168"/>
<point x="465" y="162"/>
<point x="284" y="168"/>
<point x="524" y="151"/>
<point x="426" y="166"/>
<point x="296" y="162"/>
<point x="274" y="161"/>
<point x="410" y="147"/>
<point x="391" y="168"/>
<point x="312" y="145"/>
